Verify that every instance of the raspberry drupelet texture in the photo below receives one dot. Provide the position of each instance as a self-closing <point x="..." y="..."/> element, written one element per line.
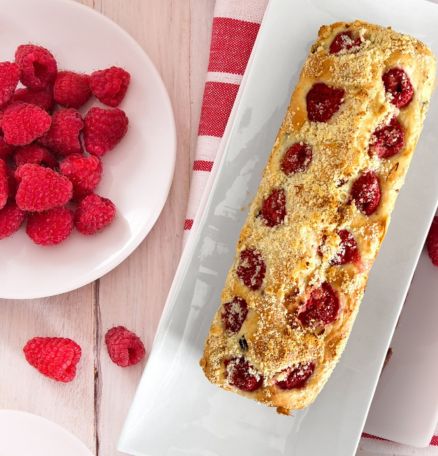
<point x="94" y="213"/>
<point x="50" y="227"/>
<point x="42" y="98"/>
<point x="84" y="173"/>
<point x="35" y="154"/>
<point x="124" y="347"/>
<point x="11" y="218"/>
<point x="54" y="357"/>
<point x="22" y="123"/>
<point x="63" y="136"/>
<point x="104" y="129"/>
<point x="9" y="77"/>
<point x="41" y="189"/>
<point x="110" y="85"/>
<point x="37" y="65"/>
<point x="4" y="184"/>
<point x="71" y="89"/>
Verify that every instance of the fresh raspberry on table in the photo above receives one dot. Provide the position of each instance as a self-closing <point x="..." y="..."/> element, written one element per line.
<point x="50" y="227"/>
<point x="71" y="90"/>
<point x="94" y="213"/>
<point x="84" y="173"/>
<point x="9" y="77"/>
<point x="54" y="357"/>
<point x="110" y="85"/>
<point x="124" y="347"/>
<point x="103" y="129"/>
<point x="11" y="218"/>
<point x="41" y="189"/>
<point x="37" y="64"/>
<point x="35" y="154"/>
<point x="63" y="136"/>
<point x="42" y="98"/>
<point x="4" y="184"/>
<point x="22" y="123"/>
<point x="432" y="241"/>
<point x="5" y="149"/>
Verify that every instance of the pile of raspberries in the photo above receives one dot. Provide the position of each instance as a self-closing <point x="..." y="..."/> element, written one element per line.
<point x="50" y="155"/>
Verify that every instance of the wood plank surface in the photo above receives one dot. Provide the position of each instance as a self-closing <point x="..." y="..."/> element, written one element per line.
<point x="175" y="34"/>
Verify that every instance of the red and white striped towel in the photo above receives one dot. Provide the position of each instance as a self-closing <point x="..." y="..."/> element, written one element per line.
<point x="235" y="27"/>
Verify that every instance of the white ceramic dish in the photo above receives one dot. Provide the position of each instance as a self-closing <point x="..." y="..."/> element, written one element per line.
<point x="24" y="434"/>
<point x="176" y="411"/>
<point x="405" y="406"/>
<point x="137" y="173"/>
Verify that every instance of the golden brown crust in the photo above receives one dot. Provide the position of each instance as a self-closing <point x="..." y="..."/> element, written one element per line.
<point x="318" y="205"/>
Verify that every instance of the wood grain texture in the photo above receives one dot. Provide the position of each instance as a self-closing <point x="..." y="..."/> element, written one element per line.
<point x="176" y="35"/>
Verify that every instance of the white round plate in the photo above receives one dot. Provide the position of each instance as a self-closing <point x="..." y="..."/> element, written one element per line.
<point x="137" y="173"/>
<point x="24" y="434"/>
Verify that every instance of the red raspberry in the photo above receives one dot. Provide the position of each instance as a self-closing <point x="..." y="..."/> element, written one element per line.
<point x="5" y="149"/>
<point x="242" y="375"/>
<point x="366" y="192"/>
<point x="348" y="249"/>
<point x="40" y="188"/>
<point x="109" y="86"/>
<point x="273" y="209"/>
<point x="345" y="41"/>
<point x="9" y="77"/>
<point x="251" y="269"/>
<point x="321" y="307"/>
<point x="124" y="347"/>
<point x="388" y="140"/>
<point x="234" y="314"/>
<point x="103" y="130"/>
<point x="94" y="213"/>
<point x="50" y="227"/>
<point x="297" y="376"/>
<point x="296" y="159"/>
<point x="4" y="184"/>
<point x="432" y="241"/>
<point x="71" y="90"/>
<point x="399" y="86"/>
<point x="63" y="136"/>
<point x="38" y="66"/>
<point x="323" y="102"/>
<point x="11" y="218"/>
<point x="36" y="154"/>
<point x="42" y="98"/>
<point x="84" y="173"/>
<point x="22" y="123"/>
<point x="54" y="357"/>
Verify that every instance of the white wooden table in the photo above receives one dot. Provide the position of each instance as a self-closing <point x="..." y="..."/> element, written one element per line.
<point x="176" y="35"/>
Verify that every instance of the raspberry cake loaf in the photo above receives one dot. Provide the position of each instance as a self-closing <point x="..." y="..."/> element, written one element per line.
<point x="320" y="214"/>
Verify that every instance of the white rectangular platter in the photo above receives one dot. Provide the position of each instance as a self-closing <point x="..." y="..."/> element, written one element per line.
<point x="176" y="411"/>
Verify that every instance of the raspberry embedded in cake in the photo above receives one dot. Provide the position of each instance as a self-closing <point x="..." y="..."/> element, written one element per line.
<point x="296" y="376"/>
<point x="388" y="140"/>
<point x="273" y="209"/>
<point x="322" y="307"/>
<point x="399" y="86"/>
<point x="242" y="375"/>
<point x="296" y="159"/>
<point x="348" y="250"/>
<point x="234" y="314"/>
<point x="323" y="102"/>
<point x="251" y="269"/>
<point x="345" y="41"/>
<point x="366" y="192"/>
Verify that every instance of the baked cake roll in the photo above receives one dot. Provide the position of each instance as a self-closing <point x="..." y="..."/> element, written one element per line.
<point x="320" y="214"/>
